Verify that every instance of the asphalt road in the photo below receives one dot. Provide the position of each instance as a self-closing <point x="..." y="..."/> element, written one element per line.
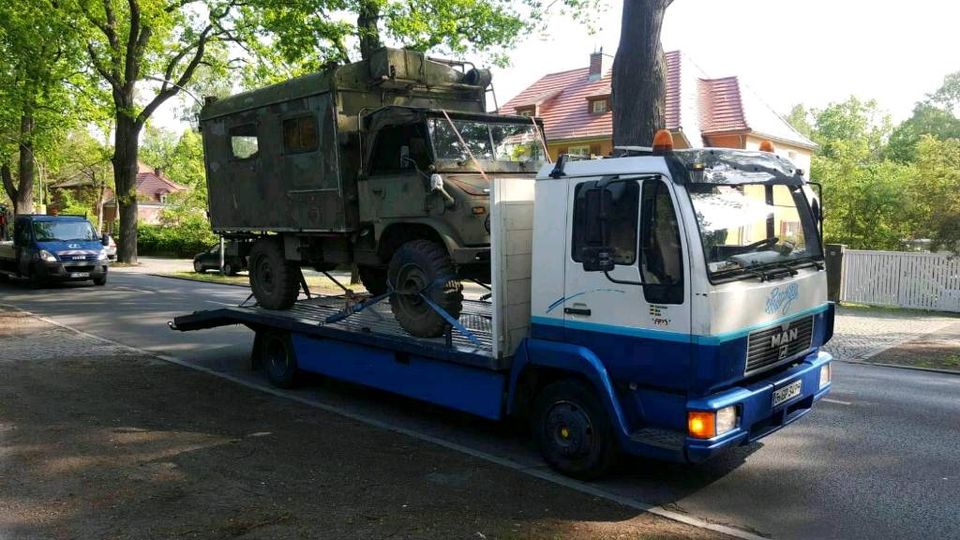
<point x="879" y="458"/>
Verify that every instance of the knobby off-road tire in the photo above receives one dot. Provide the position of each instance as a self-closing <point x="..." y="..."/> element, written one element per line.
<point x="413" y="267"/>
<point x="573" y="430"/>
<point x="374" y="279"/>
<point x="275" y="281"/>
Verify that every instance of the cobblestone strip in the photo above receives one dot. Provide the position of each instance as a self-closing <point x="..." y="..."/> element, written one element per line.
<point x="859" y="334"/>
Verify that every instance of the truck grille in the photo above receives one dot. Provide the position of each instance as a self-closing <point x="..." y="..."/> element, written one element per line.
<point x="770" y="346"/>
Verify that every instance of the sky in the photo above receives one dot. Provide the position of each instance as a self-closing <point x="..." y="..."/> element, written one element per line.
<point x="787" y="51"/>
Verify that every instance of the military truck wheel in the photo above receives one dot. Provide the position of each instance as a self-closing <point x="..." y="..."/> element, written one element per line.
<point x="415" y="266"/>
<point x="374" y="279"/>
<point x="275" y="281"/>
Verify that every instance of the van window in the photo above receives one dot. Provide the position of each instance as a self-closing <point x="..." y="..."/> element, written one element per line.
<point x="243" y="142"/>
<point x="620" y="204"/>
<point x="661" y="260"/>
<point x="300" y="134"/>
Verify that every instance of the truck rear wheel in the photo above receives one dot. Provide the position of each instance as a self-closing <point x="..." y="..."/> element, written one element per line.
<point x="422" y="265"/>
<point x="374" y="279"/>
<point x="278" y="359"/>
<point x="275" y="281"/>
<point x="573" y="430"/>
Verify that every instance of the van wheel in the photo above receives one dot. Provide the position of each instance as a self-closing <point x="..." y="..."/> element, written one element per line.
<point x="573" y="431"/>
<point x="275" y="281"/>
<point x="374" y="279"/>
<point x="100" y="281"/>
<point x="278" y="359"/>
<point x="415" y="266"/>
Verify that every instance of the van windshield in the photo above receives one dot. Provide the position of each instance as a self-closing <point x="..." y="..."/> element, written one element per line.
<point x="48" y="231"/>
<point x="751" y="226"/>
<point x="489" y="141"/>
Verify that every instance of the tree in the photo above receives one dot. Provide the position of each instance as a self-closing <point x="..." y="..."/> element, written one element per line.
<point x="938" y="116"/>
<point x="639" y="74"/>
<point x="937" y="191"/>
<point x="799" y="119"/>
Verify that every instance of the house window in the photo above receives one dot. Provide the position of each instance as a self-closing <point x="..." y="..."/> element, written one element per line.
<point x="620" y="205"/>
<point x="300" y="134"/>
<point x="583" y="150"/>
<point x="599" y="106"/>
<point x="163" y="198"/>
<point x="526" y="111"/>
<point x="243" y="142"/>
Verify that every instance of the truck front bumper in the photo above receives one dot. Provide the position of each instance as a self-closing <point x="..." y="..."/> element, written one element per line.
<point x="757" y="417"/>
<point x="82" y="270"/>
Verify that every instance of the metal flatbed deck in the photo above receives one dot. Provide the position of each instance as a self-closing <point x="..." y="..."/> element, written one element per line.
<point x="374" y="326"/>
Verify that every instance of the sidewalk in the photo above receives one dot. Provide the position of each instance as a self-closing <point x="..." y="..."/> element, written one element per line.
<point x="97" y="441"/>
<point x="156" y="265"/>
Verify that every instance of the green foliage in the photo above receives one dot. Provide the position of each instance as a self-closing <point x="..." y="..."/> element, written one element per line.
<point x="937" y="116"/>
<point x="185" y="238"/>
<point x="936" y="190"/>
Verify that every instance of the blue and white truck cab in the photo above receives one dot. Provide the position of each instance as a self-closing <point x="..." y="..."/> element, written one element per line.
<point x="54" y="248"/>
<point x="666" y="304"/>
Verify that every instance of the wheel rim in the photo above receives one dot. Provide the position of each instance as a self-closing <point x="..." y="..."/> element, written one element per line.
<point x="197" y="267"/>
<point x="227" y="269"/>
<point x="569" y="430"/>
<point x="411" y="279"/>
<point x="265" y="275"/>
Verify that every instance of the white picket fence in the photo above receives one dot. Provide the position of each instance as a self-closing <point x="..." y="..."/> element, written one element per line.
<point x="910" y="280"/>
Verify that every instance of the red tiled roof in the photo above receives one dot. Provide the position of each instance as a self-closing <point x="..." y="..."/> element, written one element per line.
<point x="717" y="105"/>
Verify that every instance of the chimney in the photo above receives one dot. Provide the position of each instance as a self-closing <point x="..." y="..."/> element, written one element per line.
<point x="158" y="171"/>
<point x="596" y="65"/>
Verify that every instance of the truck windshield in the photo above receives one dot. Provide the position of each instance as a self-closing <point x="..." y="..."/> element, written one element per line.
<point x="47" y="231"/>
<point x="491" y="141"/>
<point x="751" y="226"/>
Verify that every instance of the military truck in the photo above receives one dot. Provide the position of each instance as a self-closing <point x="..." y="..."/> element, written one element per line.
<point x="384" y="163"/>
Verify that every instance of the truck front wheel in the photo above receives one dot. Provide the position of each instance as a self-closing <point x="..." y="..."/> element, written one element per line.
<point x="573" y="431"/>
<point x="424" y="266"/>
<point x="275" y="281"/>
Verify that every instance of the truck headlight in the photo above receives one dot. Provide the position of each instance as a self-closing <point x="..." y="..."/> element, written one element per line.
<point x="825" y="375"/>
<point x="726" y="419"/>
<point x="46" y="256"/>
<point x="709" y="424"/>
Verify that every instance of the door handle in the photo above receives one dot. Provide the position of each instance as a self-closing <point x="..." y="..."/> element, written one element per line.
<point x="577" y="311"/>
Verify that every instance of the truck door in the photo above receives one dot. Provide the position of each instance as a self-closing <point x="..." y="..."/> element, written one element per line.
<point x="394" y="187"/>
<point x="636" y="316"/>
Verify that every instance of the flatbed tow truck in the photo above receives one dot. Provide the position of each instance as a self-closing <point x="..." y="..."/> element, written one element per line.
<point x="666" y="304"/>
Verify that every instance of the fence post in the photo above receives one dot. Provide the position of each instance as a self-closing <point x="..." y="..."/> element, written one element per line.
<point x="834" y="262"/>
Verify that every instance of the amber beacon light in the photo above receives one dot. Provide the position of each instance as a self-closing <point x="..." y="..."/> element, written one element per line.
<point x="767" y="146"/>
<point x="662" y="142"/>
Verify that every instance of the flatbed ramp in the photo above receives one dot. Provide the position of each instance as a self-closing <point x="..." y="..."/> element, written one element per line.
<point x="373" y="326"/>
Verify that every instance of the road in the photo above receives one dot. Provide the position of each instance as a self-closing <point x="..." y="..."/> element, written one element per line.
<point x="879" y="457"/>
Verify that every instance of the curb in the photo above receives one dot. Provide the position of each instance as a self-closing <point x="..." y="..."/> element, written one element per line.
<point x="897" y="366"/>
<point x="181" y="278"/>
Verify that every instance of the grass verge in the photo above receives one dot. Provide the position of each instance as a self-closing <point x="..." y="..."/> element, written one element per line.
<point x="317" y="284"/>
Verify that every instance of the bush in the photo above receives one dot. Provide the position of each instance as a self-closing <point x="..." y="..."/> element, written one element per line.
<point x="184" y="239"/>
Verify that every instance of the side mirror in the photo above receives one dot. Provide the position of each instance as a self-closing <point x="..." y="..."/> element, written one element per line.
<point x="105" y="239"/>
<point x="597" y="259"/>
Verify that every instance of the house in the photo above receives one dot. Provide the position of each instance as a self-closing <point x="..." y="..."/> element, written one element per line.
<point x="575" y="107"/>
<point x="152" y="187"/>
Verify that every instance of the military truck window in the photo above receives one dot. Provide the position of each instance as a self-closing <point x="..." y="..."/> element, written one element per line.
<point x="620" y="204"/>
<point x="486" y="141"/>
<point x="243" y="142"/>
<point x="661" y="261"/>
<point x="300" y="134"/>
<point x="398" y="148"/>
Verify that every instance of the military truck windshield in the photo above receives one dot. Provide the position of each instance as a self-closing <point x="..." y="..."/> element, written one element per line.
<point x="491" y="141"/>
<point x="48" y="231"/>
<point x="746" y="228"/>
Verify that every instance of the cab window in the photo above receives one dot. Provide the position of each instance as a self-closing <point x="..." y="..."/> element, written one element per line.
<point x="397" y="148"/>
<point x="620" y="204"/>
<point x="661" y="260"/>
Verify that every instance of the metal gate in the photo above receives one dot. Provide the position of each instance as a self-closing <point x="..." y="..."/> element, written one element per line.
<point x="910" y="280"/>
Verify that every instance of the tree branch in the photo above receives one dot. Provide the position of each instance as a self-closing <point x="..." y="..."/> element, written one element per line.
<point x="103" y="71"/>
<point x="8" y="184"/>
<point x="169" y="91"/>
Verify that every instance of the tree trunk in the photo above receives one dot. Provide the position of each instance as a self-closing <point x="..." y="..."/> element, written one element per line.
<point x="21" y="189"/>
<point x="368" y="18"/>
<point x="125" y="177"/>
<point x="639" y="74"/>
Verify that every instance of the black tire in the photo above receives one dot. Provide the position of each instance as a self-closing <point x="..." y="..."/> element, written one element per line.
<point x="374" y="279"/>
<point x="197" y="267"/>
<point x="413" y="267"/>
<point x="573" y="431"/>
<point x="275" y="281"/>
<point x="100" y="281"/>
<point x="35" y="280"/>
<point x="278" y="359"/>
<point x="229" y="270"/>
<point x="4" y="278"/>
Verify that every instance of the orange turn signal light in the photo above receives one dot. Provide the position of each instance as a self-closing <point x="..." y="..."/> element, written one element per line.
<point x="662" y="142"/>
<point x="767" y="146"/>
<point x="701" y="424"/>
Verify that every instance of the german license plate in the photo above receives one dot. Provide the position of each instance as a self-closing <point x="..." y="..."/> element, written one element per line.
<point x="787" y="393"/>
<point x="79" y="274"/>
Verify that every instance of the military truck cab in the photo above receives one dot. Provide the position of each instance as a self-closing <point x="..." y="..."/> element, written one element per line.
<point x="384" y="163"/>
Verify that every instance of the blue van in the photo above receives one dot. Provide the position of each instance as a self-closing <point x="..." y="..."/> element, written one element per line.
<point x="55" y="248"/>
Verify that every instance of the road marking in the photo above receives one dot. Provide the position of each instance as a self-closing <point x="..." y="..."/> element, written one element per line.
<point x="535" y="471"/>
<point x="831" y="400"/>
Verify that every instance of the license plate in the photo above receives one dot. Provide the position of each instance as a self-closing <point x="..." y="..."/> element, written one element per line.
<point x="787" y="393"/>
<point x="80" y="274"/>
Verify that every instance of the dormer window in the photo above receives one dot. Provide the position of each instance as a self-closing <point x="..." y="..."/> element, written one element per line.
<point x="599" y="105"/>
<point x="527" y="111"/>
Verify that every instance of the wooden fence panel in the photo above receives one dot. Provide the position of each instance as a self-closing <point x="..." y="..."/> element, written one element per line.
<point x="911" y="280"/>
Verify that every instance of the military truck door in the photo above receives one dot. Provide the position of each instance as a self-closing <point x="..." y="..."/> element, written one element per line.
<point x="309" y="164"/>
<point x="394" y="187"/>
